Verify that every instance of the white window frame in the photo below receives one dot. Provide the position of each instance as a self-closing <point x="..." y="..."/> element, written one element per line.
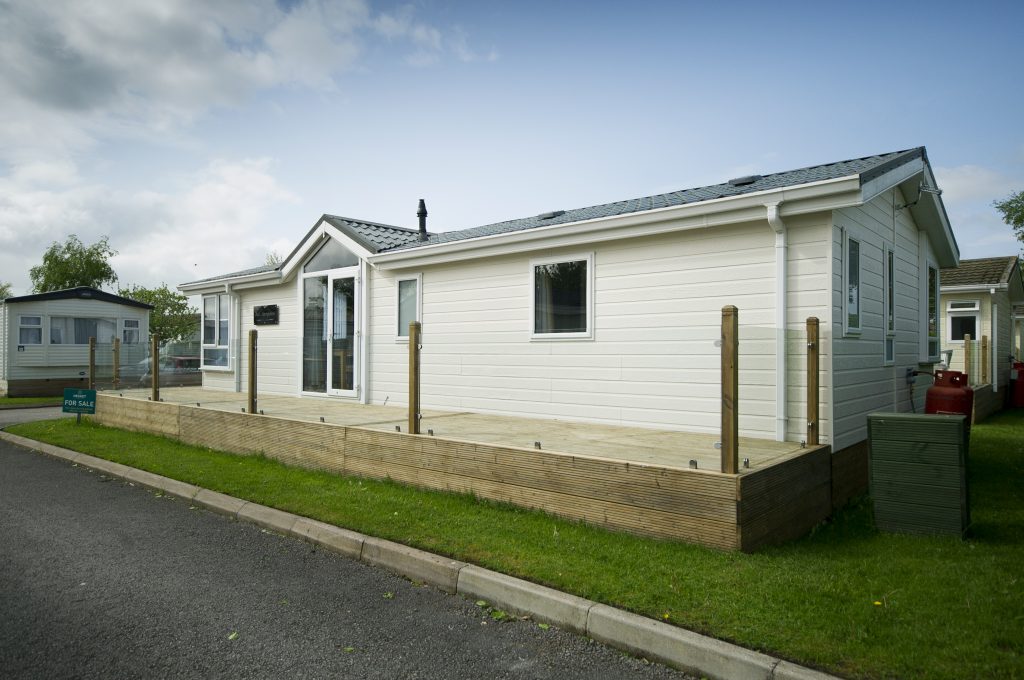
<point x="951" y="313"/>
<point x="847" y="328"/>
<point x="573" y="257"/>
<point x="219" y="342"/>
<point x="137" y="329"/>
<point x="418" y="278"/>
<point x="22" y="324"/>
<point x="70" y="341"/>
<point x="889" y="306"/>
<point x="926" y="356"/>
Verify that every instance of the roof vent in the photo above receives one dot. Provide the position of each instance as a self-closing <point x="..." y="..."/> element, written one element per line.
<point x="550" y="215"/>
<point x="744" y="181"/>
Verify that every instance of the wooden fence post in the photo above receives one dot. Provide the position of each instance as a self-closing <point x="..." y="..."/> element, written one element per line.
<point x="117" y="363"/>
<point x="414" y="377"/>
<point x="154" y="348"/>
<point x="730" y="389"/>
<point x="984" y="359"/>
<point x="967" y="357"/>
<point x="92" y="363"/>
<point x="813" y="354"/>
<point x="252" y="370"/>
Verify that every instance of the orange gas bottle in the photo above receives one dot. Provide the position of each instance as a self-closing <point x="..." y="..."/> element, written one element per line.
<point x="950" y="394"/>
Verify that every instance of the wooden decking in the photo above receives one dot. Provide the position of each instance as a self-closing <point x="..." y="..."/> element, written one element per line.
<point x="633" y="444"/>
<point x="628" y="479"/>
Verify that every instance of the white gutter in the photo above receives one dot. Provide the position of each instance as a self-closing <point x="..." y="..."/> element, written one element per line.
<point x="819" y="196"/>
<point x="781" y="249"/>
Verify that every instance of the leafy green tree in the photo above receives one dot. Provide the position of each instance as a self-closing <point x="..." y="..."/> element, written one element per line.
<point x="171" y="319"/>
<point x="5" y="290"/>
<point x="71" y="264"/>
<point x="1013" y="212"/>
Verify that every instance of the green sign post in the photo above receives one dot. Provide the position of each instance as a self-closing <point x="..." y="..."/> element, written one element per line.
<point x="79" y="402"/>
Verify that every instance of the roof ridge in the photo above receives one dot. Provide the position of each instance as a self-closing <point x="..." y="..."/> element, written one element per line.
<point x="371" y="223"/>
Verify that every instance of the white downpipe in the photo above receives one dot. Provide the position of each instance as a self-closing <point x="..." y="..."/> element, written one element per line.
<point x="364" y="333"/>
<point x="781" y="248"/>
<point x="235" y="347"/>
<point x="993" y="354"/>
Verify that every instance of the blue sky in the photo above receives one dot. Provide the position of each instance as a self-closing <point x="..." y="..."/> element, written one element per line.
<point x="200" y="136"/>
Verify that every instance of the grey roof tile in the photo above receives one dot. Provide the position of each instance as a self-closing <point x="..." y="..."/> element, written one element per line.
<point x="377" y="236"/>
<point x="816" y="173"/>
<point x="986" y="271"/>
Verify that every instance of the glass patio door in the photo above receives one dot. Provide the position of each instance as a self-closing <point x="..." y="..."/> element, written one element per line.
<point x="342" y="367"/>
<point x="329" y="349"/>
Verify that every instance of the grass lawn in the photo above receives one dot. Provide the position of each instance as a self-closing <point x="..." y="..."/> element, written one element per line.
<point x="8" y="402"/>
<point x="847" y="598"/>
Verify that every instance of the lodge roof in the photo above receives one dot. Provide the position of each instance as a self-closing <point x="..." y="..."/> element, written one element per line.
<point x="986" y="271"/>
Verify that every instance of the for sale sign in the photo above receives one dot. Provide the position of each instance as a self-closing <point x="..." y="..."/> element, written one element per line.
<point x="79" y="401"/>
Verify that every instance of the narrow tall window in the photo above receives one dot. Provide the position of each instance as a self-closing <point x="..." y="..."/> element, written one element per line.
<point x="933" y="313"/>
<point x="562" y="298"/>
<point x="216" y="330"/>
<point x="408" y="304"/>
<point x="890" y="306"/>
<point x="852" y="297"/>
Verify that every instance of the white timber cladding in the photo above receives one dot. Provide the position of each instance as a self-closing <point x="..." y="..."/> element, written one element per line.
<point x="47" y="360"/>
<point x="652" y="359"/>
<point x="863" y="384"/>
<point x="3" y="343"/>
<point x="278" y="346"/>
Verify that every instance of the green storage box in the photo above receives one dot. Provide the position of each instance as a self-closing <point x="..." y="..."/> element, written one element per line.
<point x="919" y="472"/>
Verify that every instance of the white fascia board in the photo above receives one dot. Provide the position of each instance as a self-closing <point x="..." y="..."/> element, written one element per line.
<point x="796" y="200"/>
<point x="217" y="285"/>
<point x="978" y="288"/>
<point x="314" y="239"/>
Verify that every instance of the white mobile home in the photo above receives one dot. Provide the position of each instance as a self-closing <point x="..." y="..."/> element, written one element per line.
<point x="44" y="338"/>
<point x="982" y="299"/>
<point x="610" y="313"/>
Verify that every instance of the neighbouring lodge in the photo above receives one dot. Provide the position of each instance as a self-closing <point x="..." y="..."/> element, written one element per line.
<point x="44" y="338"/>
<point x="610" y="313"/>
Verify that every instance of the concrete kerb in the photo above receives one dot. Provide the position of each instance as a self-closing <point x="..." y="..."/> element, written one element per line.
<point x="623" y="630"/>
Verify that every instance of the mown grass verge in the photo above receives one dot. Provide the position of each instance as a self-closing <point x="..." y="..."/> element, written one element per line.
<point x="847" y="598"/>
<point x="14" y="402"/>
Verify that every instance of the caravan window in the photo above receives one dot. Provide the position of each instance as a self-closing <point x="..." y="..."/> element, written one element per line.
<point x="30" y="330"/>
<point x="67" y="330"/>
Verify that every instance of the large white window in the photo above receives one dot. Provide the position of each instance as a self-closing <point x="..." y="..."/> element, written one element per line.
<point x="851" y="280"/>
<point x="30" y="330"/>
<point x="889" y="307"/>
<point x="563" y="297"/>
<point x="66" y="330"/>
<point x="962" y="318"/>
<point x="216" y="331"/>
<point x="409" y="304"/>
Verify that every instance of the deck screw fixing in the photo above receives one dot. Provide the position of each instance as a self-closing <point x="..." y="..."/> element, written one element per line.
<point x="261" y="411"/>
<point x="803" y="443"/>
<point x="746" y="462"/>
<point x="321" y="419"/>
<point x="430" y="432"/>
<point x="398" y="428"/>
<point x="536" y="445"/>
<point x="693" y="463"/>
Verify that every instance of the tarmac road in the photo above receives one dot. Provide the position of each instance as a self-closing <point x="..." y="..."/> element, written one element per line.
<point x="10" y="416"/>
<point x="102" y="579"/>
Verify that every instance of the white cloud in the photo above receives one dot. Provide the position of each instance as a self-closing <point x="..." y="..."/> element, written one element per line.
<point x="972" y="183"/>
<point x="160" y="237"/>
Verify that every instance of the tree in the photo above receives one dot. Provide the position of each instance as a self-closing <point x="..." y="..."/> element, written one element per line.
<point x="71" y="264"/>
<point x="5" y="290"/>
<point x="171" y="319"/>
<point x="1013" y="212"/>
<point x="273" y="259"/>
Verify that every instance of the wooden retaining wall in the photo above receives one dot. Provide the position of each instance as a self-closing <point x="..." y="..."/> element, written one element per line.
<point x="724" y="511"/>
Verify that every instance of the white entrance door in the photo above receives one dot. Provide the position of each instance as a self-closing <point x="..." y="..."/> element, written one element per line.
<point x="330" y="353"/>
